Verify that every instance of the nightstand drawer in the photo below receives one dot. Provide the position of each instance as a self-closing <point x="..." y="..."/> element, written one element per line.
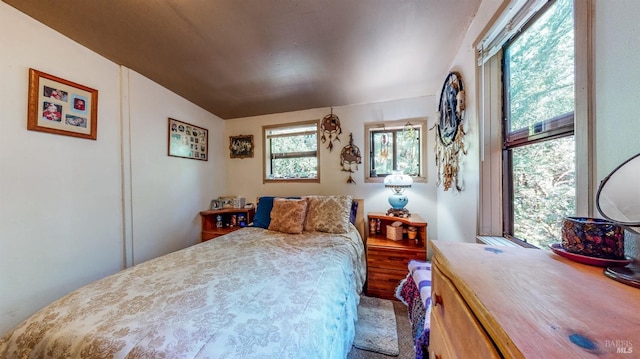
<point x="383" y="278"/>
<point x="392" y="258"/>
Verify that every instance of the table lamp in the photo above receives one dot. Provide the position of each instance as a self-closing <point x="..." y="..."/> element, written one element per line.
<point x="398" y="182"/>
<point x="618" y="200"/>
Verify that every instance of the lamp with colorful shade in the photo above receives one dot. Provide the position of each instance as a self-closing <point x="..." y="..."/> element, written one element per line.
<point x="398" y="182"/>
<point x="618" y="200"/>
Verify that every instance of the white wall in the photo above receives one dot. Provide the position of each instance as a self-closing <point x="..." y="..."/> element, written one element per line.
<point x="244" y="176"/>
<point x="458" y="211"/>
<point x="60" y="203"/>
<point x="168" y="192"/>
<point x="75" y="210"/>
<point x="617" y="75"/>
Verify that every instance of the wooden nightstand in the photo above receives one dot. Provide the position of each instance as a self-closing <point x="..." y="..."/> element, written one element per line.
<point x="209" y="218"/>
<point x="387" y="259"/>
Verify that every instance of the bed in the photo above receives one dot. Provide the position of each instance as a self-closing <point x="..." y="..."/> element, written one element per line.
<point x="253" y="293"/>
<point x="415" y="292"/>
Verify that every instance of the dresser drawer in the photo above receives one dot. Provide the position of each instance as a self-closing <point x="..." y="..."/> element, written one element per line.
<point x="457" y="322"/>
<point x="438" y="342"/>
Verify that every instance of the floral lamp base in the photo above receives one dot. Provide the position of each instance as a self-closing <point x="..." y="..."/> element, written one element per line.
<point x="402" y="212"/>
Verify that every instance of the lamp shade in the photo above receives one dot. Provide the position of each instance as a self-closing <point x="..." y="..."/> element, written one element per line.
<point x="398" y="182"/>
<point x="397" y="179"/>
<point x="618" y="196"/>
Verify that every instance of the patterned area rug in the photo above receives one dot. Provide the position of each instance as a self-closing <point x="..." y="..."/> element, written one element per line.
<point x="376" y="326"/>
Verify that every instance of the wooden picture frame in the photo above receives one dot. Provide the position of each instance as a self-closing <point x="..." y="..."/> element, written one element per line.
<point x="241" y="146"/>
<point x="187" y="141"/>
<point x="62" y="107"/>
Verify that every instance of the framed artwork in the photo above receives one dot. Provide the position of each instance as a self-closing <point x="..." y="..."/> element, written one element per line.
<point x="241" y="146"/>
<point x="226" y="202"/>
<point x="215" y="204"/>
<point x="188" y="141"/>
<point x="61" y="107"/>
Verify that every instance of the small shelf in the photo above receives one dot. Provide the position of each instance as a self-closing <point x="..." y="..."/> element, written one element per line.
<point x="209" y="218"/>
<point x="381" y="238"/>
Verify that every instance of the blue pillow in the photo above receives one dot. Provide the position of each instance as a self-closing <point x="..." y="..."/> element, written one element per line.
<point x="354" y="212"/>
<point x="262" y="217"/>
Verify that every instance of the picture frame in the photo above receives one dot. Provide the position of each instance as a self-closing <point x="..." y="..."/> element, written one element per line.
<point x="187" y="141"/>
<point x="61" y="107"/>
<point x="226" y="201"/>
<point x="241" y="146"/>
<point x="215" y="204"/>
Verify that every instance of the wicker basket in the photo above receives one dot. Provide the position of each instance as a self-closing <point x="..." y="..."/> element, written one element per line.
<point x="394" y="232"/>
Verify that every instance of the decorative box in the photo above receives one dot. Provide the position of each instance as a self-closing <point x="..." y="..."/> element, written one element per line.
<point x="238" y="202"/>
<point x="593" y="237"/>
<point x="394" y="231"/>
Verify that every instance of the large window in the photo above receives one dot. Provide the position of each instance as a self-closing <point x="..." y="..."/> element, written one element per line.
<point x="539" y="187"/>
<point x="291" y="152"/>
<point x="394" y="146"/>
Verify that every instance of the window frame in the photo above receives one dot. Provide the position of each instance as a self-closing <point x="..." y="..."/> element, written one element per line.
<point x="268" y="157"/>
<point x="395" y="125"/>
<point x="490" y="110"/>
<point x="545" y="130"/>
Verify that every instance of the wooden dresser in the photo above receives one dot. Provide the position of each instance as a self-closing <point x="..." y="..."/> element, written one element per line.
<point x="492" y="302"/>
<point x="387" y="259"/>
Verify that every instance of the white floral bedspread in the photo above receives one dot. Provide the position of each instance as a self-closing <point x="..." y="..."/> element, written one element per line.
<point x="243" y="295"/>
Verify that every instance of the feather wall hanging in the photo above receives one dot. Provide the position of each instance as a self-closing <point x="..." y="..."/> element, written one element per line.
<point x="330" y="126"/>
<point x="450" y="132"/>
<point x="349" y="157"/>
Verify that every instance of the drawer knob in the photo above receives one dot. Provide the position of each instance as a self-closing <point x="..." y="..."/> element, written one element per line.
<point x="437" y="300"/>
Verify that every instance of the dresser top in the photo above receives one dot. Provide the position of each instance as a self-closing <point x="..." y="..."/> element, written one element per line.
<point x="536" y="304"/>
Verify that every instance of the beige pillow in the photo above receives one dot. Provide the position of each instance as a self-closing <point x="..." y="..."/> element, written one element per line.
<point x="328" y="214"/>
<point x="288" y="215"/>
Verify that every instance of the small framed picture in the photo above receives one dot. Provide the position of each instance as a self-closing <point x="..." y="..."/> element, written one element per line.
<point x="188" y="141"/>
<point x="62" y="107"/>
<point x="241" y="146"/>
<point x="226" y="202"/>
<point x="215" y="204"/>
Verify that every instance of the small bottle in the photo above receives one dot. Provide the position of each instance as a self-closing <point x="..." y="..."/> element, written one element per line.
<point x="372" y="226"/>
<point x="378" y="226"/>
<point x="232" y="223"/>
<point x="219" y="221"/>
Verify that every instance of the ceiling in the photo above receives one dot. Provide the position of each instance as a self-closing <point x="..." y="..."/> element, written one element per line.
<point x="239" y="58"/>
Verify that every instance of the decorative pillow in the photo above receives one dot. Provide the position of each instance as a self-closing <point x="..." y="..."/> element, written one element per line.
<point x="287" y="215"/>
<point x="329" y="214"/>
<point x="354" y="212"/>
<point x="262" y="217"/>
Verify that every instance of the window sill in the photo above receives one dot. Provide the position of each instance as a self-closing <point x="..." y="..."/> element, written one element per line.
<point x="497" y="241"/>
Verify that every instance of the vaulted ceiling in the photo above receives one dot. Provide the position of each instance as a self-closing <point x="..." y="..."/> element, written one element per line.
<point x="239" y="58"/>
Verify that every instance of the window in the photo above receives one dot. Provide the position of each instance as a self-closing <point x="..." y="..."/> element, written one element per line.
<point x="395" y="146"/>
<point x="291" y="152"/>
<point x="535" y="121"/>
<point x="538" y="142"/>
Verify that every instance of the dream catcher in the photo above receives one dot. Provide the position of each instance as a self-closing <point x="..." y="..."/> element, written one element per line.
<point x="349" y="157"/>
<point x="330" y="125"/>
<point x="384" y="147"/>
<point x="449" y="132"/>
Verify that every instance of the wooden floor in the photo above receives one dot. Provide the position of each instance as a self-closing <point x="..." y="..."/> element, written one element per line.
<point x="405" y="342"/>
